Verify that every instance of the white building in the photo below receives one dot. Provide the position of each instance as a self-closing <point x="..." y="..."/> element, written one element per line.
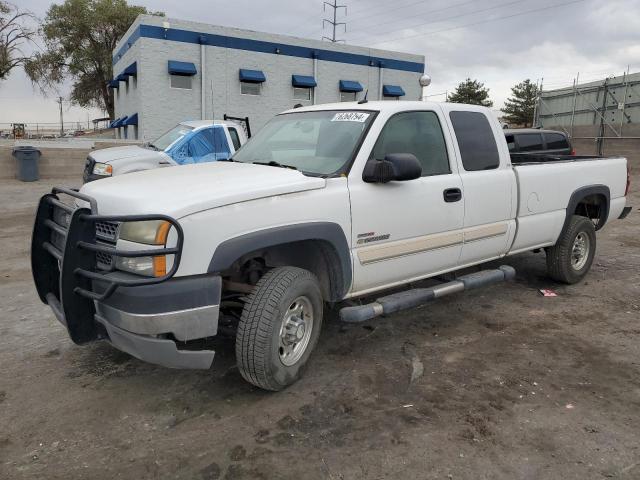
<point x="169" y="70"/>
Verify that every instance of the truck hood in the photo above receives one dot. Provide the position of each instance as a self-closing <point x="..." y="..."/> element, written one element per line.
<point x="188" y="189"/>
<point x="112" y="155"/>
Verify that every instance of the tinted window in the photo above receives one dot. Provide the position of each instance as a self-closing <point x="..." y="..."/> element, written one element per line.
<point x="511" y="143"/>
<point x="235" y="139"/>
<point x="476" y="141"/>
<point x="348" y="96"/>
<point x="180" y="81"/>
<point x="247" y="88"/>
<point x="418" y="133"/>
<point x="556" y="141"/>
<point x="528" y="142"/>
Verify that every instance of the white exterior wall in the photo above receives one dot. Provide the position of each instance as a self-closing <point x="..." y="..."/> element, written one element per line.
<point x="160" y="107"/>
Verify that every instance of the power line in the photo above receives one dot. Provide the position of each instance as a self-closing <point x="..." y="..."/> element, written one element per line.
<point x="396" y="8"/>
<point x="430" y="12"/>
<point x="440" y="20"/>
<point x="334" y="23"/>
<point x="495" y="19"/>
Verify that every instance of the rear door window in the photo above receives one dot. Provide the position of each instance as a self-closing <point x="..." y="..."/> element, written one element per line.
<point x="235" y="138"/>
<point x="556" y="141"/>
<point x="529" y="142"/>
<point x="476" y="141"/>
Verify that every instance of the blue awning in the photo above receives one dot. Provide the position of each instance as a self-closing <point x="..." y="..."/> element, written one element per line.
<point x="350" y="86"/>
<point x="252" y="76"/>
<point x="120" y="122"/>
<point x="122" y="78"/>
<point x="131" y="70"/>
<point x="113" y="123"/>
<point x="131" y="120"/>
<point x="303" y="81"/>
<point x="392" y="91"/>
<point x="185" y="69"/>
<point x="113" y="84"/>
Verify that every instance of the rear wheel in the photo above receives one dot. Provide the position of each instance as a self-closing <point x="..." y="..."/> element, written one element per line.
<point x="279" y="327"/>
<point x="570" y="259"/>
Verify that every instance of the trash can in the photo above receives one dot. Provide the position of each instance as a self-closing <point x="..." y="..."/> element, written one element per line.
<point x="27" y="158"/>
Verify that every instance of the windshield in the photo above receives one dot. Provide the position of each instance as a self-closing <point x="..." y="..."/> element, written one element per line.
<point x="319" y="143"/>
<point x="166" y="139"/>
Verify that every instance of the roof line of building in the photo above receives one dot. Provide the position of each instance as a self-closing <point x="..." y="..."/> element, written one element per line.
<point x="225" y="41"/>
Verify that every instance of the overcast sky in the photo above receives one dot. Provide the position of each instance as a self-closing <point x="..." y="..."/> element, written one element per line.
<point x="499" y="42"/>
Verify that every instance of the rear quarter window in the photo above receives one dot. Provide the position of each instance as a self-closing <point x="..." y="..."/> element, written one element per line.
<point x="556" y="141"/>
<point x="529" y="142"/>
<point x="476" y="141"/>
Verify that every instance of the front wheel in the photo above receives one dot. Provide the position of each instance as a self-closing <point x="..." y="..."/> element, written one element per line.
<point x="570" y="259"/>
<point x="279" y="327"/>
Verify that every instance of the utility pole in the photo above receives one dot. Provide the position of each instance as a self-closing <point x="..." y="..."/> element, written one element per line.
<point x="335" y="22"/>
<point x="61" y="118"/>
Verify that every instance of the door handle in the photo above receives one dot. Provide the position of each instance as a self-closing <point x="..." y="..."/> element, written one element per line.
<point x="452" y="195"/>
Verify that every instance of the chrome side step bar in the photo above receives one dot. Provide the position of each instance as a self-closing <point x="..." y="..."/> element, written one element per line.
<point x="419" y="296"/>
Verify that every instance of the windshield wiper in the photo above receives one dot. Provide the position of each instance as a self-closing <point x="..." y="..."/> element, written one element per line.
<point x="273" y="163"/>
<point x="151" y="145"/>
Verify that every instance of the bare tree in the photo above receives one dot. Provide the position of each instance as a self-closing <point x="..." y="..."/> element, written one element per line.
<point x="16" y="31"/>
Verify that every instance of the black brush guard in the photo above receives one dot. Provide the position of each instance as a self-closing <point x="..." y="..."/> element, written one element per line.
<point x="68" y="279"/>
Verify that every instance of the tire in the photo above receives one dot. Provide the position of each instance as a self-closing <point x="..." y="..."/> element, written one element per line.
<point x="271" y="346"/>
<point x="567" y="262"/>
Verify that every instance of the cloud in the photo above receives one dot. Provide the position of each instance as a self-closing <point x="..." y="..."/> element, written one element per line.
<point x="594" y="37"/>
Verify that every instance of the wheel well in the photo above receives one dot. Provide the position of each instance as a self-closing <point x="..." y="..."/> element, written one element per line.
<point x="318" y="256"/>
<point x="595" y="207"/>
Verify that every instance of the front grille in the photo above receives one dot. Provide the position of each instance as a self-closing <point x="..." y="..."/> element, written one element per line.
<point x="104" y="260"/>
<point x="107" y="231"/>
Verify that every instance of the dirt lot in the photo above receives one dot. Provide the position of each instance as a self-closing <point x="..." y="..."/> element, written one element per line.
<point x="495" y="383"/>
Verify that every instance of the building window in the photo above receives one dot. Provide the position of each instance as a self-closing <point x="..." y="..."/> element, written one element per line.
<point x="181" y="81"/>
<point x="250" y="88"/>
<point x="348" y="96"/>
<point x="302" y="93"/>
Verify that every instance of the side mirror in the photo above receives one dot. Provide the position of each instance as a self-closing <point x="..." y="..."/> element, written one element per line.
<point x="397" y="167"/>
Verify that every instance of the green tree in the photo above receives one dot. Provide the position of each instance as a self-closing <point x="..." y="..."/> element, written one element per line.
<point x="15" y="33"/>
<point x="518" y="108"/>
<point x="79" y="37"/>
<point x="472" y="92"/>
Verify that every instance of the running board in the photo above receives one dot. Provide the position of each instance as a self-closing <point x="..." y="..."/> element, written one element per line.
<point x="419" y="296"/>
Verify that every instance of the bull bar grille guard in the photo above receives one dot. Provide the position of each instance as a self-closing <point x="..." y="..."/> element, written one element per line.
<point x="66" y="278"/>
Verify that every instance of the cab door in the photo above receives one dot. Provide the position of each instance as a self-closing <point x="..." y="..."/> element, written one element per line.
<point x="489" y="185"/>
<point x="409" y="229"/>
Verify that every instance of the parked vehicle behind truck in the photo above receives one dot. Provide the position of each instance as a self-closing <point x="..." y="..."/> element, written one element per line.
<point x="325" y="203"/>
<point x="535" y="140"/>
<point x="189" y="142"/>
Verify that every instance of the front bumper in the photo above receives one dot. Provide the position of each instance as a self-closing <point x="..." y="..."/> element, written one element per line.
<point x="149" y="318"/>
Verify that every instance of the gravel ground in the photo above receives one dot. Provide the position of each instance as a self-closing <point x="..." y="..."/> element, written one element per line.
<point x="488" y="384"/>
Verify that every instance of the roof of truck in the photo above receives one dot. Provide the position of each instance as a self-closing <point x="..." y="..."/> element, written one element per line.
<point x="388" y="106"/>
<point x="508" y="131"/>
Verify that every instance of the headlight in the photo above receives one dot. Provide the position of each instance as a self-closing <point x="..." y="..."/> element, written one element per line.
<point x="151" y="232"/>
<point x="103" y="169"/>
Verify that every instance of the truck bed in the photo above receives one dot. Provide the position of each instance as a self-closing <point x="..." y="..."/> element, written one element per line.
<point x="545" y="185"/>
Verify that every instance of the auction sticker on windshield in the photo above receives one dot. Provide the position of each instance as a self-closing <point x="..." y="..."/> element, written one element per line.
<point x="350" y="117"/>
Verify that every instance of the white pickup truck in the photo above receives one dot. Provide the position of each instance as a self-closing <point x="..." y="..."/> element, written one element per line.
<point x="197" y="141"/>
<point x="325" y="203"/>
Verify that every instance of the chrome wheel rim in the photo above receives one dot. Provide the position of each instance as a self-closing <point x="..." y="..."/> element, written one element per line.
<point x="295" y="331"/>
<point x="580" y="251"/>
